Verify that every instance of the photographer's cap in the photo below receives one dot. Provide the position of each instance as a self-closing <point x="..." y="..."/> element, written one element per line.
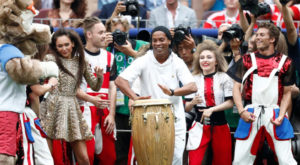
<point x="162" y="29"/>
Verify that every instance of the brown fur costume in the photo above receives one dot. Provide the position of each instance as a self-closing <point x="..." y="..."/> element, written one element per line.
<point x="15" y="29"/>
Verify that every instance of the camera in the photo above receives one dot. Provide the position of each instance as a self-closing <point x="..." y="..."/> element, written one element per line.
<point x="255" y="8"/>
<point x="119" y="37"/>
<point x="179" y="34"/>
<point x="132" y="7"/>
<point x="235" y="31"/>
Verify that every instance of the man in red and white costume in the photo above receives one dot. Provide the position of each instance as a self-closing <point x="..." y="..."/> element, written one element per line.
<point x="229" y="15"/>
<point x="263" y="80"/>
<point x="99" y="108"/>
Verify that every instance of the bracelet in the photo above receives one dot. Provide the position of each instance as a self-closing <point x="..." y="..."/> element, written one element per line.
<point x="242" y="112"/>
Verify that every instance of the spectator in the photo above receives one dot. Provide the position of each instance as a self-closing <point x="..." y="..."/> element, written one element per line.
<point x="276" y="13"/>
<point x="115" y="8"/>
<point x="185" y="50"/>
<point x="172" y="14"/>
<point x="64" y="10"/>
<point x="229" y="15"/>
<point x="124" y="55"/>
<point x="213" y="5"/>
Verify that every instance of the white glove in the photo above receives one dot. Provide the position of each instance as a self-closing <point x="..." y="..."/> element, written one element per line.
<point x="50" y="69"/>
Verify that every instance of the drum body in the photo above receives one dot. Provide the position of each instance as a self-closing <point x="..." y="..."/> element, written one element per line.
<point x="153" y="132"/>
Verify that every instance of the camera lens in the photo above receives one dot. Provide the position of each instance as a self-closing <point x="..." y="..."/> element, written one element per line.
<point x="119" y="37"/>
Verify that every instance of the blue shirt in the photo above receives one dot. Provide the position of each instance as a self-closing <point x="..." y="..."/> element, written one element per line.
<point x="218" y="6"/>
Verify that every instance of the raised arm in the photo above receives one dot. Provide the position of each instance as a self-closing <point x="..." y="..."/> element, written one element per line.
<point x="243" y="20"/>
<point x="290" y="27"/>
<point x="93" y="81"/>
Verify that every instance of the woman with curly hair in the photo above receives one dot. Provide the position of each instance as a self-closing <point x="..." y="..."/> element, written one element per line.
<point x="214" y="96"/>
<point x="64" y="10"/>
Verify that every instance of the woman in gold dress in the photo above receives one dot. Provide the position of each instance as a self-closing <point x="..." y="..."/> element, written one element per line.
<point x="60" y="112"/>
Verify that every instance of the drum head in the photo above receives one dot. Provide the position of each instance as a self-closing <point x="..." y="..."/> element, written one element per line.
<point x="151" y="102"/>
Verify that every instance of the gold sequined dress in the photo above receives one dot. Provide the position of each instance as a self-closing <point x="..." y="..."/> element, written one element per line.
<point x="61" y="116"/>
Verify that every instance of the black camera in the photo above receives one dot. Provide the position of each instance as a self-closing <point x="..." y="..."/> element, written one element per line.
<point x="257" y="9"/>
<point x="179" y="34"/>
<point x="119" y="37"/>
<point x="235" y="31"/>
<point x="132" y="7"/>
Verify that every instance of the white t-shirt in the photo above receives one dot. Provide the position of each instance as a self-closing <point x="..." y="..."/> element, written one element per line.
<point x="151" y="73"/>
<point x="97" y="60"/>
<point x="13" y="95"/>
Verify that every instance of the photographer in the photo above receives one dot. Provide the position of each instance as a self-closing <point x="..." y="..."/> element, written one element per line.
<point x="184" y="45"/>
<point x="121" y="7"/>
<point x="228" y="15"/>
<point x="124" y="50"/>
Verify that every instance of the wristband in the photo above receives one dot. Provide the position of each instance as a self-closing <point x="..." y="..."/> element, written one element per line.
<point x="172" y="92"/>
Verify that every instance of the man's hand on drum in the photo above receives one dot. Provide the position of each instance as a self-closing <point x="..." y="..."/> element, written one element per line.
<point x="130" y="103"/>
<point x="247" y="116"/>
<point x="141" y="97"/>
<point x="99" y="102"/>
<point x="109" y="123"/>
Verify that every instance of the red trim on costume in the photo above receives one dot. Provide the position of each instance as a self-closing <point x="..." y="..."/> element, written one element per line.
<point x="38" y="127"/>
<point x="193" y="126"/>
<point x="25" y="120"/>
<point x="28" y="142"/>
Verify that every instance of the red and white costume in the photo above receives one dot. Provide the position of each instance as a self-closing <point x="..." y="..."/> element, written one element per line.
<point x="218" y="18"/>
<point x="104" y="144"/>
<point x="265" y="78"/>
<point x="214" y="89"/>
<point x="34" y="142"/>
<point x="277" y="18"/>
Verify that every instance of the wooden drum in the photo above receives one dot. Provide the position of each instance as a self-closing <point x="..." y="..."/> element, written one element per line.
<point x="153" y="131"/>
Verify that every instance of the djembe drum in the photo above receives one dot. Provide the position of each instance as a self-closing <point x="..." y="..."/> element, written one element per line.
<point x="153" y="131"/>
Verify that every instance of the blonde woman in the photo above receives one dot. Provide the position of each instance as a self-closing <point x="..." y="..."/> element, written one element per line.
<point x="214" y="95"/>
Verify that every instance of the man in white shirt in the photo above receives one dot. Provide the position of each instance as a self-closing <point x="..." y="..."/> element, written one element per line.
<point x="160" y="71"/>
